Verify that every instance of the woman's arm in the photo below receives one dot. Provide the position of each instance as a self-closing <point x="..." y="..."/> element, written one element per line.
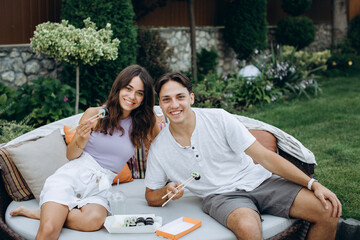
<point x="82" y="135"/>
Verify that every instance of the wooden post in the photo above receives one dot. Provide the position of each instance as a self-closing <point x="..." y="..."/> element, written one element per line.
<point x="77" y="90"/>
<point x="192" y="38"/>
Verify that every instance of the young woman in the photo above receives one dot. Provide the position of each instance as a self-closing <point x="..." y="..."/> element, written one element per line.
<point x="76" y="194"/>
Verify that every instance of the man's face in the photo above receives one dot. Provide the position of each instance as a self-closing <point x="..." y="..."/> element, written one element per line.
<point x="175" y="101"/>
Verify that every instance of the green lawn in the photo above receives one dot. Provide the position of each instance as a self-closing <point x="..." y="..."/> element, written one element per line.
<point x="329" y="126"/>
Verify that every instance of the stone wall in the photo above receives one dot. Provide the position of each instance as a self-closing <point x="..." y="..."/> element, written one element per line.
<point x="19" y="65"/>
<point x="206" y="37"/>
<point x="212" y="38"/>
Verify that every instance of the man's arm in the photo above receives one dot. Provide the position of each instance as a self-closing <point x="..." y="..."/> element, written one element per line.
<point x="154" y="197"/>
<point x="280" y="166"/>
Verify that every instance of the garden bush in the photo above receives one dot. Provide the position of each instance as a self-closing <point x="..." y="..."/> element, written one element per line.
<point x="295" y="31"/>
<point x="286" y="72"/>
<point x="206" y="62"/>
<point x="295" y="7"/>
<point x="233" y="92"/>
<point x="12" y="129"/>
<point x="43" y="101"/>
<point x="343" y="58"/>
<point x="154" y="52"/>
<point x="308" y="60"/>
<point x="354" y="33"/>
<point x="209" y="93"/>
<point x="246" y="26"/>
<point x="6" y="93"/>
<point x="98" y="79"/>
<point x="247" y="92"/>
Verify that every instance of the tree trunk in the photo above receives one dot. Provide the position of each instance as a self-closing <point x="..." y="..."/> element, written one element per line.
<point x="192" y="39"/>
<point x="339" y="21"/>
<point x="77" y="90"/>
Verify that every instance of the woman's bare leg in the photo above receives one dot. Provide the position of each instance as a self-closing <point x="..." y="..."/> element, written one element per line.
<point x="26" y="212"/>
<point x="52" y="219"/>
<point x="90" y="217"/>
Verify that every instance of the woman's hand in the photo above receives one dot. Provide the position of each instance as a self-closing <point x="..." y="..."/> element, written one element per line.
<point x="84" y="129"/>
<point x="82" y="135"/>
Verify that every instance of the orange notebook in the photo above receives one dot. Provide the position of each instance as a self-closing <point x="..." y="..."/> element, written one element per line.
<point x="178" y="228"/>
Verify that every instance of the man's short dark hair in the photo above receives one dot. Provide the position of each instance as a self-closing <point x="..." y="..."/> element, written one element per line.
<point x="175" y="76"/>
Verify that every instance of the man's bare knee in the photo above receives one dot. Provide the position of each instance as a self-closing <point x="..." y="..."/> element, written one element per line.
<point x="245" y="223"/>
<point x="324" y="217"/>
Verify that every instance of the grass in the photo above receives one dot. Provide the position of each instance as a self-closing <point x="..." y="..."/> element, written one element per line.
<point x="329" y="126"/>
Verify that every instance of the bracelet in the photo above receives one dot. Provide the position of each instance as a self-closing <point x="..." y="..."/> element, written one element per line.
<point x="77" y="145"/>
<point x="310" y="183"/>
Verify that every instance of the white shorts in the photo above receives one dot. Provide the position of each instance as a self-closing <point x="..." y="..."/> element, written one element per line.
<point x="77" y="183"/>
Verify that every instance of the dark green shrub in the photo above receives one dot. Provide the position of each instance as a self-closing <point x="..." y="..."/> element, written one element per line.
<point x="206" y="62"/>
<point x="43" y="101"/>
<point x="295" y="31"/>
<point x="248" y="92"/>
<point x="6" y="93"/>
<point x="246" y="27"/>
<point x="295" y="7"/>
<point x="154" y="52"/>
<point x="96" y="81"/>
<point x="209" y="93"/>
<point x="354" y="33"/>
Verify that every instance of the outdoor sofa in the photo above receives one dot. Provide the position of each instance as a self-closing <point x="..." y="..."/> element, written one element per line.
<point x="188" y="206"/>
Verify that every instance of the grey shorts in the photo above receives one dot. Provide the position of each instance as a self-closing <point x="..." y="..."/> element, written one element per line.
<point x="274" y="196"/>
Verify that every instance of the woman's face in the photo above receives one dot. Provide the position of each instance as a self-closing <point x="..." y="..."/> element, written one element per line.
<point x="131" y="96"/>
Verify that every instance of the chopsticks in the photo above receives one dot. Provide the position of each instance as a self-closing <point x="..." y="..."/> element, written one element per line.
<point x="194" y="175"/>
<point x="103" y="112"/>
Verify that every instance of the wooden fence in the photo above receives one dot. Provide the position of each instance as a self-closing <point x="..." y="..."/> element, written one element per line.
<point x="18" y="18"/>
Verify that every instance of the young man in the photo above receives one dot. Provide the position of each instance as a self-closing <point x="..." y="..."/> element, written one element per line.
<point x="235" y="191"/>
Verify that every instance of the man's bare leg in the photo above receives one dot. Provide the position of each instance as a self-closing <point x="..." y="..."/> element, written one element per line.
<point x="245" y="224"/>
<point x="308" y="207"/>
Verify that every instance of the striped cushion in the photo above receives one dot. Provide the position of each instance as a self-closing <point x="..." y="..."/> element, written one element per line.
<point x="15" y="184"/>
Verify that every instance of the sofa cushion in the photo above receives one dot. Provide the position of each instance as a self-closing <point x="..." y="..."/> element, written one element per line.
<point x="188" y="206"/>
<point x="37" y="160"/>
<point x="265" y="138"/>
<point x="14" y="182"/>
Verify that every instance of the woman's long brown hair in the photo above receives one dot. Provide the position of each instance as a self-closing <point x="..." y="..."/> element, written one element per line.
<point x="143" y="118"/>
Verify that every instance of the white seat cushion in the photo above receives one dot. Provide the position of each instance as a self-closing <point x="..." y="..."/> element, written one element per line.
<point x="188" y="206"/>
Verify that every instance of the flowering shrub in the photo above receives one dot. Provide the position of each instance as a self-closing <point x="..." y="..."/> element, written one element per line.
<point x="64" y="42"/>
<point x="247" y="92"/>
<point x="287" y="72"/>
<point x="233" y="92"/>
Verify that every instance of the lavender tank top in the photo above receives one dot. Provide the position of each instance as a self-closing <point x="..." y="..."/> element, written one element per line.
<point x="112" y="152"/>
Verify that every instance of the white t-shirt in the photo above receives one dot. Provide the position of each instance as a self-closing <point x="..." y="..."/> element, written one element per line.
<point x="216" y="153"/>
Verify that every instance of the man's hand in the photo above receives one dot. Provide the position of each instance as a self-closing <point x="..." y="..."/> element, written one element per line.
<point x="171" y="187"/>
<point x="323" y="194"/>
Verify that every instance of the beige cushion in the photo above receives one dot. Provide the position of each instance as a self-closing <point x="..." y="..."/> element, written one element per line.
<point x="37" y="160"/>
